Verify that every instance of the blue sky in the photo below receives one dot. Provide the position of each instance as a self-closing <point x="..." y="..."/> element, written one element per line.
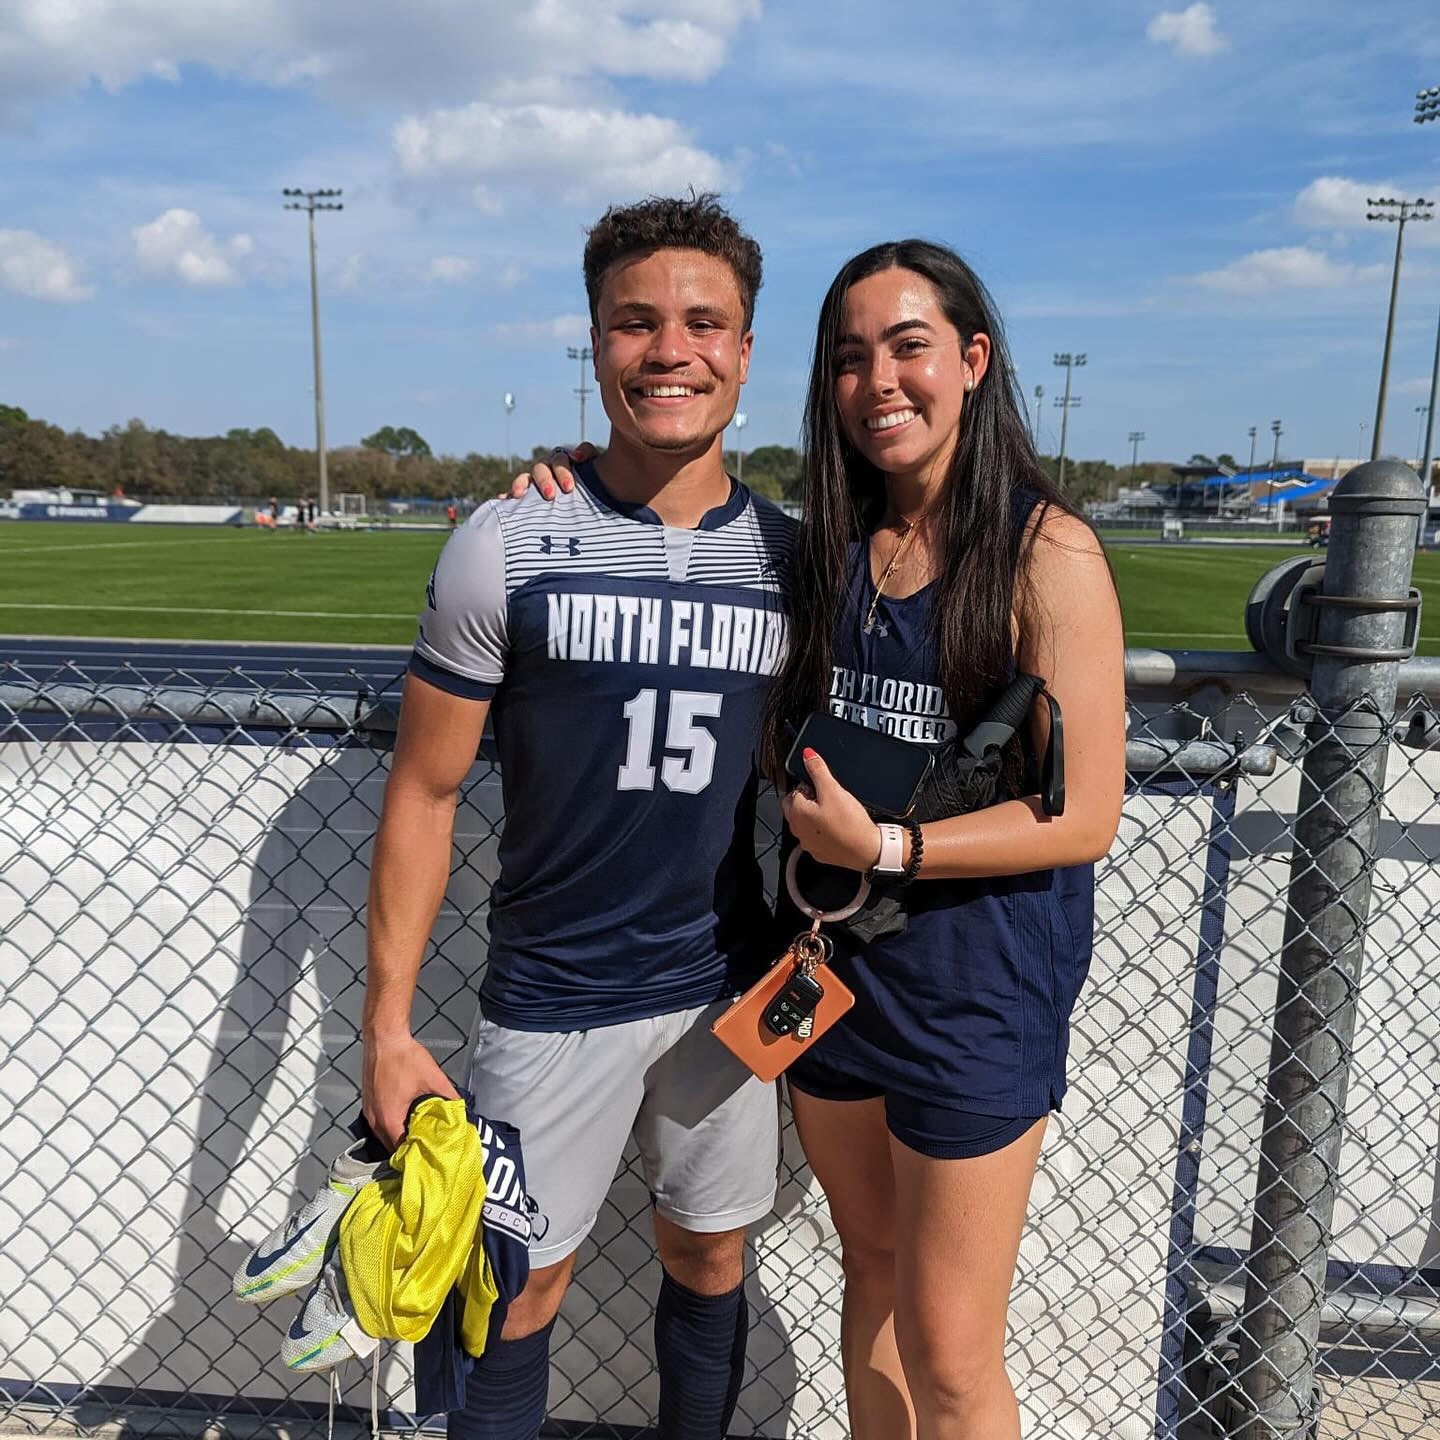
<point x="1176" y="190"/>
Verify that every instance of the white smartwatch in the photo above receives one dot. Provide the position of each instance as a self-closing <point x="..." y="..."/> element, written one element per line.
<point x="892" y="851"/>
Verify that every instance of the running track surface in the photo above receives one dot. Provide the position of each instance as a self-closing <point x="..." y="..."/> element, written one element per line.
<point x="200" y="664"/>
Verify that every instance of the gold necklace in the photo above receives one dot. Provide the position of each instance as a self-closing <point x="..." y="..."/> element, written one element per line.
<point x="891" y="568"/>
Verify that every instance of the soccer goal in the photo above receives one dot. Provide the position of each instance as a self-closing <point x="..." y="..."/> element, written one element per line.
<point x="349" y="505"/>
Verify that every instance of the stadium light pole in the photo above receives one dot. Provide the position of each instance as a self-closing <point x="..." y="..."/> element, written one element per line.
<point x="741" y="419"/>
<point x="584" y="354"/>
<point x="509" y="411"/>
<point x="1250" y="469"/>
<point x="310" y="201"/>
<point x="1423" y="411"/>
<point x="1277" y="430"/>
<point x="1427" y="108"/>
<point x="1398" y="213"/>
<point x="1135" y="437"/>
<point x="1063" y="404"/>
<point x="1429" y="451"/>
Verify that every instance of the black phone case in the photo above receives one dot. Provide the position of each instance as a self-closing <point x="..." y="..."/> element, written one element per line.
<point x="850" y="750"/>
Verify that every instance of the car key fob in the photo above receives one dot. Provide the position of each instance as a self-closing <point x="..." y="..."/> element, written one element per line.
<point x="794" y="1004"/>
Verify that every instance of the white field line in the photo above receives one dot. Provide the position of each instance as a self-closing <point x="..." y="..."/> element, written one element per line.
<point x="202" y="610"/>
<point x="19" y="549"/>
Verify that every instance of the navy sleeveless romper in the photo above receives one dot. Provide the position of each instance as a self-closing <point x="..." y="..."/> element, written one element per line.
<point x="962" y="1021"/>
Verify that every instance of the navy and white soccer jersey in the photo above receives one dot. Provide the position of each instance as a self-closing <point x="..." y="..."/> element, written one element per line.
<point x="628" y="663"/>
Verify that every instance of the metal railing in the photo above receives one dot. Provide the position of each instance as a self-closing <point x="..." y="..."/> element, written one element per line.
<point x="1235" y="1230"/>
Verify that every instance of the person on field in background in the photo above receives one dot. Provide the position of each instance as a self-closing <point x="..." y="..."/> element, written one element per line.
<point x="639" y="619"/>
<point x="935" y="562"/>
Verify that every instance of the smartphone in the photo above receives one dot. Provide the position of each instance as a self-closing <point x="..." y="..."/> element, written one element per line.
<point x="884" y="774"/>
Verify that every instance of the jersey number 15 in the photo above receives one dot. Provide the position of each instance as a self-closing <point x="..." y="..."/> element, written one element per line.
<point x="690" y="767"/>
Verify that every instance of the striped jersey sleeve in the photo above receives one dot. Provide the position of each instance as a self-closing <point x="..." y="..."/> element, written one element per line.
<point x="464" y="632"/>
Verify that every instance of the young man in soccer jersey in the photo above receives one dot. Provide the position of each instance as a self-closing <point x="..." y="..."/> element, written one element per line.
<point x="623" y="637"/>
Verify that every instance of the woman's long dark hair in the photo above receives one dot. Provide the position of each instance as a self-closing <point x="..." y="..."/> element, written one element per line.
<point x="971" y="524"/>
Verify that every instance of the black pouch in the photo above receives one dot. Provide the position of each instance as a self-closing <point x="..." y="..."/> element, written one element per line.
<point x="966" y="776"/>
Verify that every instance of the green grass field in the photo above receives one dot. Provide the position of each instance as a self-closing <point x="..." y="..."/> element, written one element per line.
<point x="361" y="587"/>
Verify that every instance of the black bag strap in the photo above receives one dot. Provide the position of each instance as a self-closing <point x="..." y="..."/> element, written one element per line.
<point x="997" y="726"/>
<point x="1052" y="770"/>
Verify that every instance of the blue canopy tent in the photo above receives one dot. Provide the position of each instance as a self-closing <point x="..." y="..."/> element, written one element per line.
<point x="1244" y="477"/>
<point x="1201" y="488"/>
<point x="1290" y="493"/>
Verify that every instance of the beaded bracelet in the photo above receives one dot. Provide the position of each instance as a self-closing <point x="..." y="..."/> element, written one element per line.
<point x="917" y="853"/>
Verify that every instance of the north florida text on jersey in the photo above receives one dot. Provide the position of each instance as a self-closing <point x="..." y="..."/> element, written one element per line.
<point x="658" y="630"/>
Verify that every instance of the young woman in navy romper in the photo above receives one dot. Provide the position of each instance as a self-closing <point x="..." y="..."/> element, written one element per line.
<point x="935" y="559"/>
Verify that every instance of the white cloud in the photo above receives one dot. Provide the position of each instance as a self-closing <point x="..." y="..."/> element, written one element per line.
<point x="1191" y="32"/>
<point x="510" y="276"/>
<point x="442" y="50"/>
<point x="352" y="272"/>
<point x="177" y="245"/>
<point x="487" y="202"/>
<point x="553" y="152"/>
<point x="452" y="269"/>
<point x="443" y="55"/>
<point x="1335" y="202"/>
<point x="562" y="327"/>
<point x="1289" y="267"/>
<point x="34" y="266"/>
<point x="690" y="43"/>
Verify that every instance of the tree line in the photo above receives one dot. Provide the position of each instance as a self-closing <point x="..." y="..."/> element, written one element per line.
<point x="395" y="461"/>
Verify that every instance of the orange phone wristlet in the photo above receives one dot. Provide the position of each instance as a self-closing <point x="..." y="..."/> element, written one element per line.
<point x="797" y="1000"/>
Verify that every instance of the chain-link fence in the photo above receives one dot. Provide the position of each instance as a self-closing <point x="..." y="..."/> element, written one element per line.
<point x="1235" y="1229"/>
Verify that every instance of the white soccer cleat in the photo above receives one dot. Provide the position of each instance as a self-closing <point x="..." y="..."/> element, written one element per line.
<point x="326" y="1333"/>
<point x="290" y="1257"/>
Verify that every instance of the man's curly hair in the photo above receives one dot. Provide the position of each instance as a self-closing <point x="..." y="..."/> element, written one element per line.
<point x="699" y="222"/>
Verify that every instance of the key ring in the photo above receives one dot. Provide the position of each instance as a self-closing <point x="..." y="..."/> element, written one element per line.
<point x="811" y="950"/>
<point x="821" y="917"/>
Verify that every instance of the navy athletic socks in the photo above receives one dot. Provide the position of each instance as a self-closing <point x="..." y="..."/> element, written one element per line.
<point x="700" y="1352"/>
<point x="506" y="1392"/>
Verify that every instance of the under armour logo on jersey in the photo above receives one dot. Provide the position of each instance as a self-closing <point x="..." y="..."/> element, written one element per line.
<point x="547" y="546"/>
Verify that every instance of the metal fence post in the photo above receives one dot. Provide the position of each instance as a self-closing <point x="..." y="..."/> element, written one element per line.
<point x="1357" y="649"/>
